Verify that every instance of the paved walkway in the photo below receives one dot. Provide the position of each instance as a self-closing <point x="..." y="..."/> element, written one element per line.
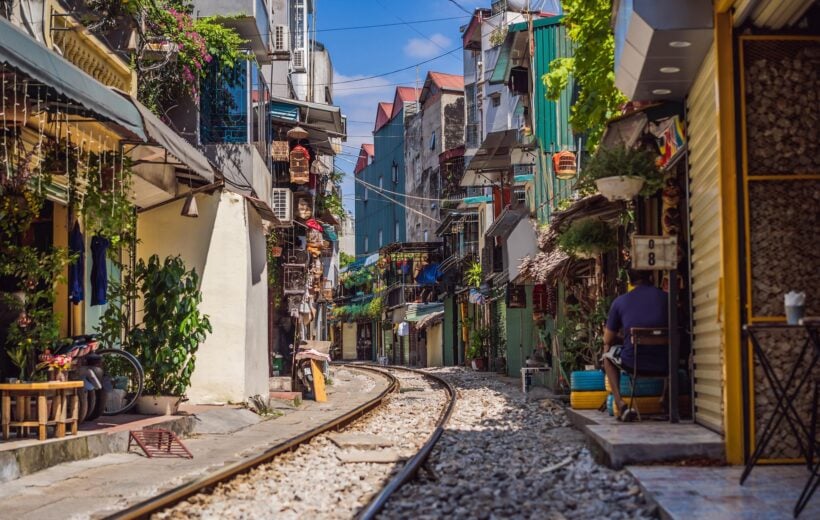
<point x="91" y="488"/>
<point x="708" y="493"/>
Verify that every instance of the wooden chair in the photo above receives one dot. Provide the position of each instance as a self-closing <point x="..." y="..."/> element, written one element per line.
<point x="643" y="338"/>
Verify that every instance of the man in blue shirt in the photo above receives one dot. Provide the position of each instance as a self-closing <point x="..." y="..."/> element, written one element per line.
<point x="645" y="306"/>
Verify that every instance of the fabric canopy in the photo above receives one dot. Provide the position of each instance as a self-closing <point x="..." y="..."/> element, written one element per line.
<point x="23" y="53"/>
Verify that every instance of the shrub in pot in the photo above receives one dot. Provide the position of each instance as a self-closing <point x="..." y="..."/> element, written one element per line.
<point x="587" y="238"/>
<point x="172" y="328"/>
<point x="620" y="173"/>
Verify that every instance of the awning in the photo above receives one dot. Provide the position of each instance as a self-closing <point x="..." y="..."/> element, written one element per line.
<point x="506" y="222"/>
<point x="263" y="209"/>
<point x="418" y="311"/>
<point x="323" y="117"/>
<point x="492" y="155"/>
<point x="372" y="259"/>
<point x="185" y="155"/>
<point x="23" y="53"/>
<point x="429" y="320"/>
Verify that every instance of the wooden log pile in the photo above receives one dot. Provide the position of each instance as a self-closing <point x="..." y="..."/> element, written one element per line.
<point x="782" y="350"/>
<point x="784" y="222"/>
<point x="782" y="83"/>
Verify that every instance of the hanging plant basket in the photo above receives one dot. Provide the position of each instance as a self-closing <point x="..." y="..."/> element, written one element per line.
<point x="279" y="151"/>
<point x="276" y="251"/>
<point x="619" y="187"/>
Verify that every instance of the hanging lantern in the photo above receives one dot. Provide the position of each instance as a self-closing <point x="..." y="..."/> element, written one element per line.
<point x="299" y="165"/>
<point x="297" y="132"/>
<point x="564" y="165"/>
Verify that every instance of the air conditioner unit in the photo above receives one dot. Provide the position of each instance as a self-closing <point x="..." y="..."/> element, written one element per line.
<point x="281" y="39"/>
<point x="299" y="60"/>
<point x="282" y="204"/>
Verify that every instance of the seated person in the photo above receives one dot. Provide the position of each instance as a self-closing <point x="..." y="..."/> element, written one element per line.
<point x="645" y="306"/>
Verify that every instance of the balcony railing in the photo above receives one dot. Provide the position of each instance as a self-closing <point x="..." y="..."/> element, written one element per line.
<point x="400" y="294"/>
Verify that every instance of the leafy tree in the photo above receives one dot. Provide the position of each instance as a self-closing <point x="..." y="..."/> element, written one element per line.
<point x="592" y="66"/>
<point x="345" y="259"/>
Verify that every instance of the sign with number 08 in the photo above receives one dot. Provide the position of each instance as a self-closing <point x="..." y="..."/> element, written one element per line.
<point x="654" y="252"/>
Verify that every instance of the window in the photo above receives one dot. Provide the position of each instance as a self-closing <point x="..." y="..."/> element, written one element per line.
<point x="426" y="234"/>
<point x="398" y="238"/>
<point x="365" y="194"/>
<point x="280" y="38"/>
<point x="496" y="98"/>
<point x="381" y="183"/>
<point x="366" y="244"/>
<point x="381" y="238"/>
<point x="394" y="170"/>
<point x="433" y="140"/>
<point x="224" y="104"/>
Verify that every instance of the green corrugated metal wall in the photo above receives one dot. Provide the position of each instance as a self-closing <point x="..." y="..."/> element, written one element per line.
<point x="520" y="335"/>
<point x="551" y="119"/>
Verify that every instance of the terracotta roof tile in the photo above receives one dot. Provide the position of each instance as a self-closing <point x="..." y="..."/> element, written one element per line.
<point x="383" y="114"/>
<point x="447" y="81"/>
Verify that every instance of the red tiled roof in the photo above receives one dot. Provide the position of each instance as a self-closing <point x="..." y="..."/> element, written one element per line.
<point x="383" y="114"/>
<point x="447" y="81"/>
<point x="403" y="94"/>
<point x="365" y="153"/>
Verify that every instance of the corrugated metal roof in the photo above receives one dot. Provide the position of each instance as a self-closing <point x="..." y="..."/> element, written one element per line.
<point x="403" y="95"/>
<point x="367" y="150"/>
<point x="447" y="81"/>
<point x="383" y="114"/>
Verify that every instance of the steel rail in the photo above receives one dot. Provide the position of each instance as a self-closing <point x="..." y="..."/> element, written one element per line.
<point x="175" y="495"/>
<point x="413" y="465"/>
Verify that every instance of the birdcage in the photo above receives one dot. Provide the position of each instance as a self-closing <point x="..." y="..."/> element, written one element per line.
<point x="279" y="151"/>
<point x="294" y="302"/>
<point x="295" y="278"/>
<point x="564" y="165"/>
<point x="299" y="165"/>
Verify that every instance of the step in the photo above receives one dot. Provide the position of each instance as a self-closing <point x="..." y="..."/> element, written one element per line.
<point x="280" y="384"/>
<point x="286" y="396"/>
<point x="617" y="444"/>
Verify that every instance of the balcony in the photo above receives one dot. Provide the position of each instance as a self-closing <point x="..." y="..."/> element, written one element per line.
<point x="402" y="294"/>
<point x="249" y="18"/>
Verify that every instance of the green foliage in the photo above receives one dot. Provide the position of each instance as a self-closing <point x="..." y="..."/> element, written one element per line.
<point x="592" y="66"/>
<point x="198" y="42"/>
<point x="172" y="327"/>
<point x="588" y="236"/>
<point x="36" y="271"/>
<point x="477" y="347"/>
<point x="345" y="259"/>
<point x="331" y="203"/>
<point x="360" y="278"/>
<point x="375" y="307"/>
<point x="473" y="276"/>
<point x="581" y="335"/>
<point x="106" y="208"/>
<point x="371" y="310"/>
<point x="621" y="161"/>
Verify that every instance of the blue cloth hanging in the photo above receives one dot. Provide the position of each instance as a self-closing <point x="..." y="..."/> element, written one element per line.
<point x="428" y="275"/>
<point x="76" y="271"/>
<point x="99" y="270"/>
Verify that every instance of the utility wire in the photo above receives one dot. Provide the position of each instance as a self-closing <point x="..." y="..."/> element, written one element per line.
<point x="390" y="24"/>
<point x="416" y="30"/>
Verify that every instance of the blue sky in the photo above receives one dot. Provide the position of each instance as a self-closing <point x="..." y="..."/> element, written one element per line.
<point x="362" y="53"/>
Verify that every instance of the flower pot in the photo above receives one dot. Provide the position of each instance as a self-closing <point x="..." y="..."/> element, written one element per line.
<point x="276" y="251"/>
<point x="619" y="187"/>
<point x="158" y="404"/>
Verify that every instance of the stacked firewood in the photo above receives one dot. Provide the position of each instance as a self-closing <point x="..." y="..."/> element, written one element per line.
<point x="784" y="221"/>
<point x="782" y="83"/>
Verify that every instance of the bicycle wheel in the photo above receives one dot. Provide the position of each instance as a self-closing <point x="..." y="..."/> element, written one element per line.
<point x="123" y="380"/>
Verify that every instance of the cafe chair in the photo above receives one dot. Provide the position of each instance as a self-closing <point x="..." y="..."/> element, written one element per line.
<point x="643" y="339"/>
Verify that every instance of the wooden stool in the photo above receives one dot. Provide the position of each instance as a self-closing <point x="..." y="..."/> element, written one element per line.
<point x="63" y="395"/>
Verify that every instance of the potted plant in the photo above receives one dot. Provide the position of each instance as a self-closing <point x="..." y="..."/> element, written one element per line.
<point x="621" y="173"/>
<point x="476" y="351"/>
<point x="172" y="328"/>
<point x="587" y="238"/>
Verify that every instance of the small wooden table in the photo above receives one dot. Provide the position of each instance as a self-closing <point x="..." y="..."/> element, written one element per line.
<point x="63" y="396"/>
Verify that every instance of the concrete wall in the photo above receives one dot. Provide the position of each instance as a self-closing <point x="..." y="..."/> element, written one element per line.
<point x="226" y="246"/>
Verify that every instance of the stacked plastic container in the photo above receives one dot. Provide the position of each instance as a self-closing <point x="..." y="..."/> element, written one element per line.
<point x="588" y="391"/>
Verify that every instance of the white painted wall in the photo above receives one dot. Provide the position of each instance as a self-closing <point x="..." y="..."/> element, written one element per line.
<point x="226" y="246"/>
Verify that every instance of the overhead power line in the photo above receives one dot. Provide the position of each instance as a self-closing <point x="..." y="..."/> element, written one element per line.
<point x="375" y="26"/>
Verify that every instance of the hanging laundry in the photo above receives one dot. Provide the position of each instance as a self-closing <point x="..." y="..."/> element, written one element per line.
<point x="99" y="270"/>
<point x="404" y="329"/>
<point x="76" y="271"/>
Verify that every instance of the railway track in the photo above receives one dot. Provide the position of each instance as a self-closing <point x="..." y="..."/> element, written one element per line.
<point x="273" y="482"/>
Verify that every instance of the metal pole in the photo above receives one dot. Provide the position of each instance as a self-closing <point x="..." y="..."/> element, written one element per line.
<point x="674" y="347"/>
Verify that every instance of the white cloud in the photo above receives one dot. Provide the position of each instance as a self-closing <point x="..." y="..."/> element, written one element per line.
<point x="422" y="48"/>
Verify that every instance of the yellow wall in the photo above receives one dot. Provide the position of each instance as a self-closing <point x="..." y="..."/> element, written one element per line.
<point x="348" y="341"/>
<point x="60" y="230"/>
<point x="435" y="337"/>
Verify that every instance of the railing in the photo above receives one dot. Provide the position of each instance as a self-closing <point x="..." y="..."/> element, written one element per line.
<point x="400" y="294"/>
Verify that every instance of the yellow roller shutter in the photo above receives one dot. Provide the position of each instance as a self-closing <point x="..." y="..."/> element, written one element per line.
<point x="704" y="209"/>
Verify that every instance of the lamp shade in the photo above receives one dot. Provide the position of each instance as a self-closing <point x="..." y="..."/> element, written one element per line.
<point x="189" y="209"/>
<point x="297" y="132"/>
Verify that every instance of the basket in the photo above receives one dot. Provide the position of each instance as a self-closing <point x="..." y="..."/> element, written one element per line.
<point x="587" y="400"/>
